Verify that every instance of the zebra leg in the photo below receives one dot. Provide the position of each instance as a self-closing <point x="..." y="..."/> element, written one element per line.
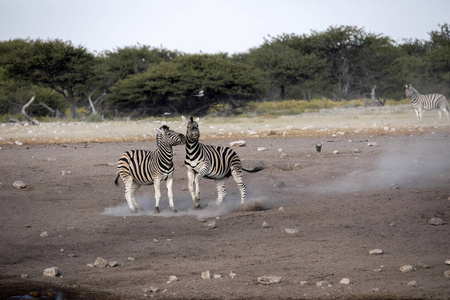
<point x="446" y="113"/>
<point x="157" y="184"/>
<point x="220" y="184"/>
<point x="169" y="184"/>
<point x="130" y="189"/>
<point x="191" y="179"/>
<point x="420" y="114"/>
<point x="417" y="113"/>
<point x="237" y="176"/>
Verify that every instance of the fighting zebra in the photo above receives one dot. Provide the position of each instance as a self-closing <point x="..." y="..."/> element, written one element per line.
<point x="138" y="167"/>
<point x="213" y="162"/>
<point x="427" y="102"/>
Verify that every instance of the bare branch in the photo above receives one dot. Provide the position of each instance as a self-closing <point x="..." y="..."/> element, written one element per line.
<point x="32" y="121"/>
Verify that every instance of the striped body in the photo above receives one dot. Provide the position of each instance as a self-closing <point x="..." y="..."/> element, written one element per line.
<point x="427" y="102"/>
<point x="212" y="162"/>
<point x="140" y="167"/>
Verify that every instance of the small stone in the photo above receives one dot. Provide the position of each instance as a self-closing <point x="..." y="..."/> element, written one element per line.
<point x="24" y="276"/>
<point x="71" y="255"/>
<point x="407" y="268"/>
<point x="345" y="281"/>
<point x="304" y="283"/>
<point x="90" y="265"/>
<point x="131" y="258"/>
<point x="422" y="265"/>
<point x="52" y="272"/>
<point x="64" y="173"/>
<point x="447" y="274"/>
<point x="281" y="209"/>
<point x="412" y="283"/>
<point x="112" y="264"/>
<point x="370" y="144"/>
<point x="336" y="152"/>
<point x="155" y="241"/>
<point x="44" y="234"/>
<point x="378" y="270"/>
<point x="447" y="262"/>
<point x="375" y="290"/>
<point x="232" y="275"/>
<point x="100" y="263"/>
<point x="217" y="276"/>
<point x="240" y="143"/>
<point x="269" y="279"/>
<point x="152" y="289"/>
<point x="436" y="221"/>
<point x="265" y="225"/>
<point x="291" y="231"/>
<point x="395" y="186"/>
<point x="19" y="185"/>
<point x="261" y="149"/>
<point x="206" y="275"/>
<point x="356" y="150"/>
<point x="172" y="278"/>
<point x="210" y="225"/>
<point x="323" y="283"/>
<point x="375" y="252"/>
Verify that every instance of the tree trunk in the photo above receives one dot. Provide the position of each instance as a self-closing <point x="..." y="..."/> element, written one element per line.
<point x="94" y="112"/>
<point x="32" y="121"/>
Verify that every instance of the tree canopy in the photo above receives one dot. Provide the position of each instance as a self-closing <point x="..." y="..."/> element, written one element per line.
<point x="342" y="62"/>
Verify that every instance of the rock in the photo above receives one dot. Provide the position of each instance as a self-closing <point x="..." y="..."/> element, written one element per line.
<point x="24" y="276"/>
<point x="269" y="279"/>
<point x="291" y="231"/>
<point x="152" y="289"/>
<point x="261" y="149"/>
<point x="407" y="268"/>
<point x="378" y="270"/>
<point x="172" y="278"/>
<point x="447" y="273"/>
<point x="447" y="262"/>
<point x="210" y="225"/>
<point x="265" y="225"/>
<point x="395" y="186"/>
<point x="64" y="173"/>
<point x="422" y="265"/>
<point x="436" y="221"/>
<point x="345" y="281"/>
<point x="375" y="252"/>
<point x="206" y="275"/>
<point x="44" y="234"/>
<point x="217" y="276"/>
<point x="356" y="150"/>
<point x="304" y="283"/>
<point x="336" y="152"/>
<point x="232" y="275"/>
<point x="100" y="262"/>
<point x="112" y="264"/>
<point x="323" y="283"/>
<point x="412" y="283"/>
<point x="370" y="144"/>
<point x="240" y="143"/>
<point x="19" y="185"/>
<point x="155" y="241"/>
<point x="52" y="272"/>
<point x="131" y="258"/>
<point x="281" y="209"/>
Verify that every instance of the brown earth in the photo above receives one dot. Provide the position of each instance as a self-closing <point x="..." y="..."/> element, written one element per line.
<point x="342" y="205"/>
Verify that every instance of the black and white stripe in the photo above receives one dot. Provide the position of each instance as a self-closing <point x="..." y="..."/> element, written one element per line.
<point x="212" y="162"/>
<point x="139" y="167"/>
<point x="427" y="102"/>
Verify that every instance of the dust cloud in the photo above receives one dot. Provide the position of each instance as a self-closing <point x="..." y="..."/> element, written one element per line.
<point x="420" y="164"/>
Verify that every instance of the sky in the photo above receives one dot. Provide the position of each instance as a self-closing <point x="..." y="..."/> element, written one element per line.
<point x="210" y="26"/>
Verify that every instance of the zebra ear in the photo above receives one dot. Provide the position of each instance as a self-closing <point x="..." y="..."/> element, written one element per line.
<point x="158" y="130"/>
<point x="406" y="85"/>
<point x="198" y="119"/>
<point x="184" y="119"/>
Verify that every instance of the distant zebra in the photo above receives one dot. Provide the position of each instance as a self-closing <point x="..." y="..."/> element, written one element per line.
<point x="427" y="102"/>
<point x="213" y="162"/>
<point x="138" y="167"/>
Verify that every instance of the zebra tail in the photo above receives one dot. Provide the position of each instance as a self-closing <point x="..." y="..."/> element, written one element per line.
<point x="117" y="179"/>
<point x="253" y="170"/>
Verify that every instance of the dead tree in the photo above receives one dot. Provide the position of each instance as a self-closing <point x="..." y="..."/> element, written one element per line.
<point x="24" y="113"/>
<point x="99" y="100"/>
<point x="374" y="101"/>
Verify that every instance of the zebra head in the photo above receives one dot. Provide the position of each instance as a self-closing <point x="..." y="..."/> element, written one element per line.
<point x="192" y="131"/>
<point x="168" y="137"/>
<point x="409" y="91"/>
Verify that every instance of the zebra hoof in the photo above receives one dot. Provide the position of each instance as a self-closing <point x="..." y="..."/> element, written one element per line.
<point x="198" y="206"/>
<point x="172" y="209"/>
<point x="156" y="210"/>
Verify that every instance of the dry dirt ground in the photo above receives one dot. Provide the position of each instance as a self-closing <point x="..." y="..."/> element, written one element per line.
<point x="341" y="205"/>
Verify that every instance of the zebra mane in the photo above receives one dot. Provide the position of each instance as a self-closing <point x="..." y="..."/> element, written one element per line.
<point x="192" y="119"/>
<point x="164" y="127"/>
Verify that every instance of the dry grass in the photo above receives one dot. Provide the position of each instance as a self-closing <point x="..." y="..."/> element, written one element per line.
<point x="328" y="122"/>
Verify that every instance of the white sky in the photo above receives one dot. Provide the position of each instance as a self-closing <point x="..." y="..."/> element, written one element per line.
<point x="210" y="26"/>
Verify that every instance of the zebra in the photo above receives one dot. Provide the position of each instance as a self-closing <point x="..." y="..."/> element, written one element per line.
<point x="427" y="102"/>
<point x="213" y="162"/>
<point x="138" y="167"/>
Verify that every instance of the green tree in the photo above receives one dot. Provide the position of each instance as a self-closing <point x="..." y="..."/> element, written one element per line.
<point x="55" y="64"/>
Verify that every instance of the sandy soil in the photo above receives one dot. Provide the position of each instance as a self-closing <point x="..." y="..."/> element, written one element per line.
<point x="342" y="206"/>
